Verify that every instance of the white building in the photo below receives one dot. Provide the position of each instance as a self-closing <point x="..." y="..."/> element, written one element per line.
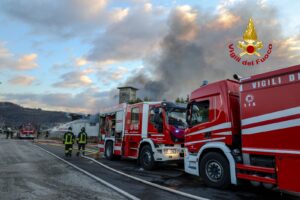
<point x="91" y="127"/>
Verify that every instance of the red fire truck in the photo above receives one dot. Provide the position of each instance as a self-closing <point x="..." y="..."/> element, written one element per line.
<point x="150" y="132"/>
<point x="27" y="131"/>
<point x="246" y="130"/>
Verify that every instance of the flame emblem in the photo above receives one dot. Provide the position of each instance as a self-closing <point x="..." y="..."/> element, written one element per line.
<point x="250" y="45"/>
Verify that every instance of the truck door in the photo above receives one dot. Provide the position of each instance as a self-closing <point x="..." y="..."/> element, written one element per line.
<point x="119" y="126"/>
<point x="133" y="130"/>
<point x="155" y="122"/>
<point x="200" y="118"/>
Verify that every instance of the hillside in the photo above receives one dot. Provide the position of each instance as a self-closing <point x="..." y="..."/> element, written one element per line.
<point x="14" y="115"/>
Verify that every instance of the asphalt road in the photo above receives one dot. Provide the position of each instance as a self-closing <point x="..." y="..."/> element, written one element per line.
<point x="26" y="172"/>
<point x="166" y="175"/>
<point x="135" y="188"/>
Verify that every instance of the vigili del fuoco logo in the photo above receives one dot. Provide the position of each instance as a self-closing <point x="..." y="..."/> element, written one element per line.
<point x="250" y="46"/>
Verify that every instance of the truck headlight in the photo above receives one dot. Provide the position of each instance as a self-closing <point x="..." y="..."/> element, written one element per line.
<point x="170" y="151"/>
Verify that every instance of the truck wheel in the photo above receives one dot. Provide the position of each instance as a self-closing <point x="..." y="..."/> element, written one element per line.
<point x="214" y="170"/>
<point x="109" y="154"/>
<point x="146" y="158"/>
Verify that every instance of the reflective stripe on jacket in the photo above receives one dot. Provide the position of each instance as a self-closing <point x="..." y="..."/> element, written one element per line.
<point x="82" y="138"/>
<point x="69" y="138"/>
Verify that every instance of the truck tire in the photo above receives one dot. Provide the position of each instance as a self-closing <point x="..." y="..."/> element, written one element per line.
<point x="146" y="158"/>
<point x="214" y="170"/>
<point x="109" y="151"/>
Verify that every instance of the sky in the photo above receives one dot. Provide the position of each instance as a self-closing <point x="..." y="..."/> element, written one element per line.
<point x="71" y="55"/>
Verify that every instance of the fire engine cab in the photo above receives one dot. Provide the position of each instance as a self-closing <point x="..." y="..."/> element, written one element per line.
<point x="246" y="130"/>
<point x="27" y="131"/>
<point x="150" y="132"/>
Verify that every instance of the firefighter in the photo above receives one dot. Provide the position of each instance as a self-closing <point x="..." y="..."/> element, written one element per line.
<point x="69" y="140"/>
<point x="81" y="141"/>
<point x="9" y="132"/>
<point x="47" y="134"/>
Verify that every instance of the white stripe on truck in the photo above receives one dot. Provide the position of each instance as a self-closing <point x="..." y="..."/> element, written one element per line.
<point x="286" y="151"/>
<point x="201" y="141"/>
<point x="212" y="128"/>
<point x="270" y="116"/>
<point x="272" y="127"/>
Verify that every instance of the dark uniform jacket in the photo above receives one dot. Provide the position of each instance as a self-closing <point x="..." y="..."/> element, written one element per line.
<point x="82" y="138"/>
<point x="69" y="138"/>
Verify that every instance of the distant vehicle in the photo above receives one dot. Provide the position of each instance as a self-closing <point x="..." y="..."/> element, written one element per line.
<point x="27" y="131"/>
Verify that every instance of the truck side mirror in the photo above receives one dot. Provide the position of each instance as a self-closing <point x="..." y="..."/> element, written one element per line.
<point x="188" y="115"/>
<point x="160" y="128"/>
<point x="157" y="119"/>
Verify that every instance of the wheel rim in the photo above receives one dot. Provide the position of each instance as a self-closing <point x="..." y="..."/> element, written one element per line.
<point x="214" y="170"/>
<point x="147" y="158"/>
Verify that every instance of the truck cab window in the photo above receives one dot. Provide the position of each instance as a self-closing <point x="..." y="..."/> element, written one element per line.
<point x="200" y="112"/>
<point x="156" y="118"/>
<point x="152" y="116"/>
<point x="135" y="115"/>
<point x="110" y="122"/>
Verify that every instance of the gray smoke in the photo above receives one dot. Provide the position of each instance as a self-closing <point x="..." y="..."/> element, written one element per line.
<point x="196" y="49"/>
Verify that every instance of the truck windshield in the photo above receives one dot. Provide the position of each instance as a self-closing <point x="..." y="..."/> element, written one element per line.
<point x="176" y="117"/>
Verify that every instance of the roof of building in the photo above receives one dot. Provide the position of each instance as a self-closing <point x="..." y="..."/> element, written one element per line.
<point x="124" y="87"/>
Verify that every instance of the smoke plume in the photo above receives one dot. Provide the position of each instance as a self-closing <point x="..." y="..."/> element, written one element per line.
<point x="196" y="49"/>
